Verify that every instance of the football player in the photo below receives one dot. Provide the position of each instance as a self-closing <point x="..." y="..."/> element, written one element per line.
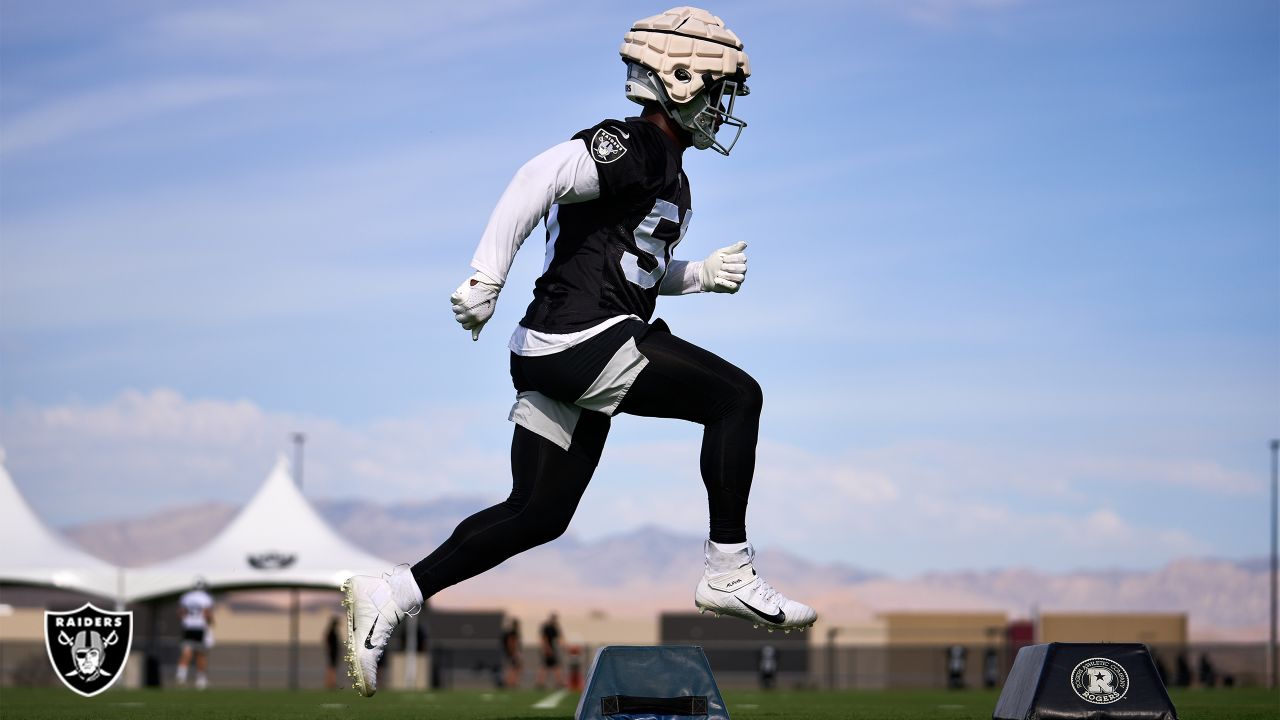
<point x="195" y="608"/>
<point x="616" y="203"/>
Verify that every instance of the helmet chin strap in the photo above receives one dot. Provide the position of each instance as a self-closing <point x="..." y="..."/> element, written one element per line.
<point x="698" y="136"/>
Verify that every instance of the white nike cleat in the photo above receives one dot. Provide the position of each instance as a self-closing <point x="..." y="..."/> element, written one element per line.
<point x="375" y="606"/>
<point x="741" y="593"/>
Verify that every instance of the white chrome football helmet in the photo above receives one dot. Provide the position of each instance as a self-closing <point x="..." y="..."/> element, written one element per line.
<point x="690" y="64"/>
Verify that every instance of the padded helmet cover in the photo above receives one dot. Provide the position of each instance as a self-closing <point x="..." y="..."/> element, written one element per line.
<point x="685" y="47"/>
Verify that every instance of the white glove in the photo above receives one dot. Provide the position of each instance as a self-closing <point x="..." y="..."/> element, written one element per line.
<point x="474" y="301"/>
<point x="724" y="270"/>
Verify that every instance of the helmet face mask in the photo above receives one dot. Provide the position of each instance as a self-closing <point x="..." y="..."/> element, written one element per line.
<point x="686" y="61"/>
<point x="711" y="110"/>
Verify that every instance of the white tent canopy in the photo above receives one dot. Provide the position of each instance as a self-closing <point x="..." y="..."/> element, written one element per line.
<point x="277" y="540"/>
<point x="36" y="555"/>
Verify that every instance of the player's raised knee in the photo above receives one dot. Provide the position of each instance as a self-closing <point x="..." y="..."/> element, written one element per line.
<point x="750" y="395"/>
<point x="551" y="526"/>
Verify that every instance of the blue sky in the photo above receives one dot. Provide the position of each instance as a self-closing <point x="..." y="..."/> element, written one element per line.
<point x="1014" y="293"/>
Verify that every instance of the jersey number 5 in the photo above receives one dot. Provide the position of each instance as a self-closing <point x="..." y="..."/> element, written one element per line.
<point x="654" y="247"/>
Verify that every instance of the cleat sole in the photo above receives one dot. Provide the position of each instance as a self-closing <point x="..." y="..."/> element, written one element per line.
<point x="755" y="623"/>
<point x="353" y="667"/>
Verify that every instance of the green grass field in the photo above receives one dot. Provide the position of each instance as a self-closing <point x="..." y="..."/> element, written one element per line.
<point x="59" y="704"/>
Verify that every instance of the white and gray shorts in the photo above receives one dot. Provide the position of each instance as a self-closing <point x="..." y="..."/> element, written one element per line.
<point x="553" y="390"/>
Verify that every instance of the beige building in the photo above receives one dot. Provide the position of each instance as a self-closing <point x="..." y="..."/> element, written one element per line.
<point x="917" y="649"/>
<point x="1150" y="628"/>
<point x="943" y="629"/>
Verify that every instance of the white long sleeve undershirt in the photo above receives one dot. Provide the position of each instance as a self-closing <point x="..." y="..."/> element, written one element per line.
<point x="564" y="174"/>
<point x="682" y="278"/>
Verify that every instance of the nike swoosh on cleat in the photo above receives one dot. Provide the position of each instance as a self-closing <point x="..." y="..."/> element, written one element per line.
<point x="777" y="617"/>
<point x="369" y="637"/>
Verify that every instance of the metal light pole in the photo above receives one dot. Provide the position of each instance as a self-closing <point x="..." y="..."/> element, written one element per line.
<point x="1273" y="658"/>
<point x="832" y="678"/>
<point x="294" y="605"/>
<point x="298" y="440"/>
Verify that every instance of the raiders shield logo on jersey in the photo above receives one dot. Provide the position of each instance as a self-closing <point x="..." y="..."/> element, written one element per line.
<point x="88" y="646"/>
<point x="606" y="147"/>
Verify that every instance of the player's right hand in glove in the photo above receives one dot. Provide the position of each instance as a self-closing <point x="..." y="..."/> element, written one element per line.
<point x="724" y="270"/>
<point x="474" y="301"/>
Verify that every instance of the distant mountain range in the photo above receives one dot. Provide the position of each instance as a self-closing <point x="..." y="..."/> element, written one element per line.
<point x="651" y="569"/>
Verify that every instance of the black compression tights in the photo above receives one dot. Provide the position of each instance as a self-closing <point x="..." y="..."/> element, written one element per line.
<point x="684" y="381"/>
<point x="546" y="484"/>
<point x="681" y="381"/>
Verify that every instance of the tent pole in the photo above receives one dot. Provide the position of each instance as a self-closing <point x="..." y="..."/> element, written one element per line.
<point x="298" y="440"/>
<point x="293" y="640"/>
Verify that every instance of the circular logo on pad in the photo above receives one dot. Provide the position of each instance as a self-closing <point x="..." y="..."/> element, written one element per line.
<point x="1100" y="681"/>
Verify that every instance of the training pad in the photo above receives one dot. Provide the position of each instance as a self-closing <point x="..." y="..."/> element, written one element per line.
<point x="666" y="682"/>
<point x="1084" y="681"/>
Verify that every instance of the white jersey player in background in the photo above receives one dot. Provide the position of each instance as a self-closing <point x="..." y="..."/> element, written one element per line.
<point x="195" y="608"/>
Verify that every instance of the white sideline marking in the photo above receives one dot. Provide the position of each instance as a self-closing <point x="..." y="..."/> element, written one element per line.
<point x="551" y="700"/>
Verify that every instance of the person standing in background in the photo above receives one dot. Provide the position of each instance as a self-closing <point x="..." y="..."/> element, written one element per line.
<point x="331" y="641"/>
<point x="195" y="607"/>
<point x="511" y="655"/>
<point x="550" y="653"/>
<point x="768" y="667"/>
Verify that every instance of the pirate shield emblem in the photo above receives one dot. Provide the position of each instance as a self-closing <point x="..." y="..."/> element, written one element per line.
<point x="88" y="646"/>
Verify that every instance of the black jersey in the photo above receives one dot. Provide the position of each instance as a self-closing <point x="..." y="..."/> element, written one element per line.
<point x="606" y="257"/>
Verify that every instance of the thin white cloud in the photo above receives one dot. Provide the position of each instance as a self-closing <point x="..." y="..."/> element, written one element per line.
<point x="975" y="529"/>
<point x="1185" y="472"/>
<point x="875" y="511"/>
<point x="963" y="518"/>
<point x="70" y="117"/>
<point x="140" y="452"/>
<point x="1048" y="473"/>
<point x="311" y="29"/>
<point x="117" y="262"/>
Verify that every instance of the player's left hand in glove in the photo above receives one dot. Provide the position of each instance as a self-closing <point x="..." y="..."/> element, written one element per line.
<point x="474" y="301"/>
<point x="724" y="270"/>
